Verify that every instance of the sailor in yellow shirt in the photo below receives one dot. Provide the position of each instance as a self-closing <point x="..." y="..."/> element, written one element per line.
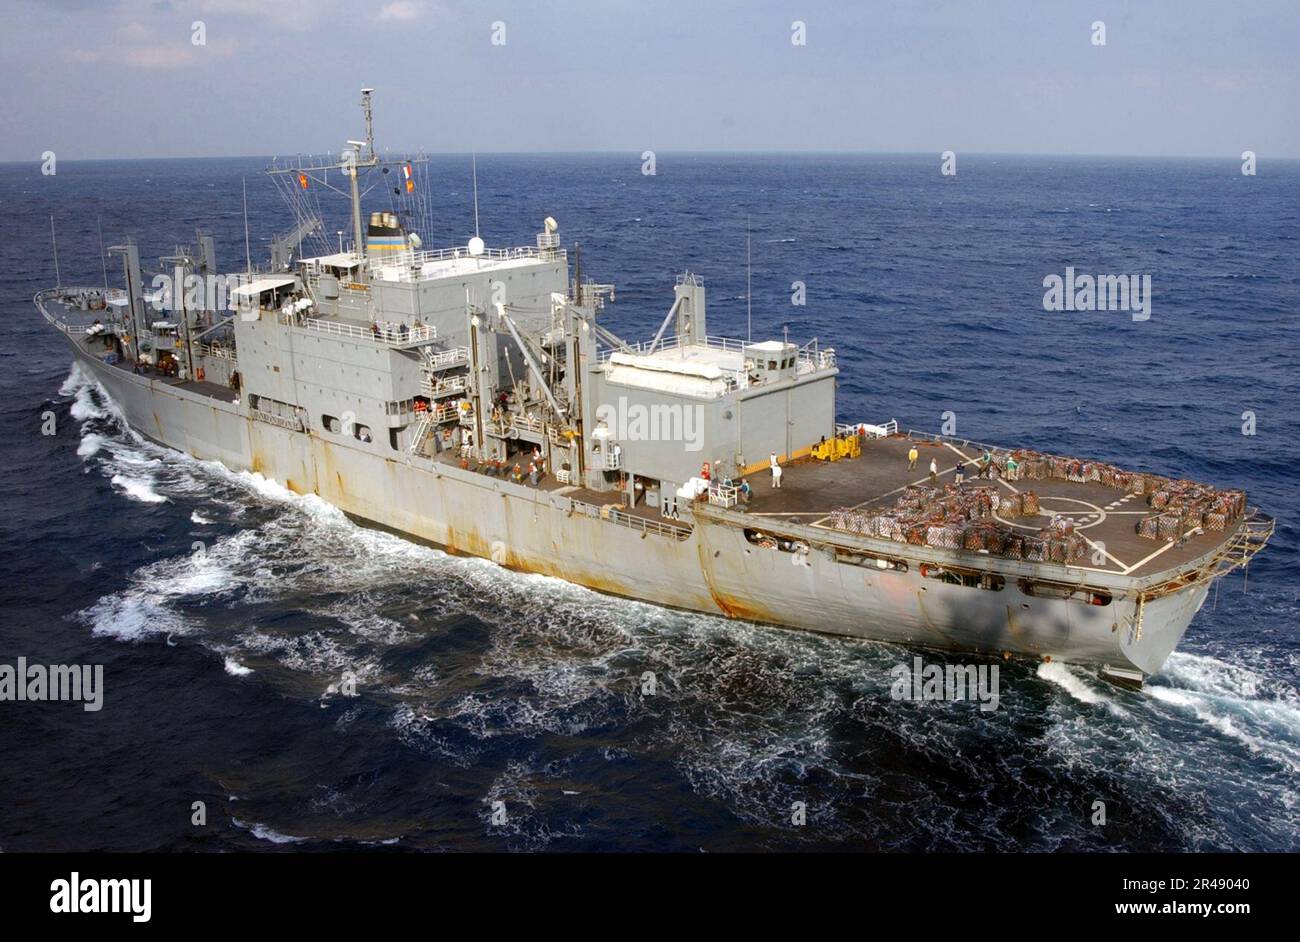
<point x="912" y="455"/>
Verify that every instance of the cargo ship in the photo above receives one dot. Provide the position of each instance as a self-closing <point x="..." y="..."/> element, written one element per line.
<point x="470" y="397"/>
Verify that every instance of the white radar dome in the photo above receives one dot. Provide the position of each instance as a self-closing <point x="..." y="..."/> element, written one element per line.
<point x="476" y="246"/>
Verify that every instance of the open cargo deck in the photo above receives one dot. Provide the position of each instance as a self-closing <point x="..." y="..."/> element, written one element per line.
<point x="1106" y="517"/>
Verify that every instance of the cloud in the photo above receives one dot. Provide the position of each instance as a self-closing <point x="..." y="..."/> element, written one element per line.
<point x="400" y="11"/>
<point x="296" y="15"/>
<point x="140" y="47"/>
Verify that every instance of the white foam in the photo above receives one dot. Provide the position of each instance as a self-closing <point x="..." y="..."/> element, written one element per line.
<point x="140" y="489"/>
<point x="90" y="445"/>
<point x="76" y="378"/>
<point x="1236" y="701"/>
<point x="235" y="669"/>
<point x="264" y="833"/>
<point x="196" y="517"/>
<point x="132" y="616"/>
<point x="1060" y="675"/>
<point x="1228" y="726"/>
<point x="1212" y="675"/>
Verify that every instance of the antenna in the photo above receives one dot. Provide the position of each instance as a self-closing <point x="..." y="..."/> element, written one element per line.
<point x="370" y="129"/>
<point x="474" y="164"/>
<point x="58" y="281"/>
<point x="749" y="281"/>
<point x="577" y="274"/>
<point x="248" y="255"/>
<point x="103" y="256"/>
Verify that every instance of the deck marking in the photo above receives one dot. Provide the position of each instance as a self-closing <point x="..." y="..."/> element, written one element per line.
<point x="1106" y="553"/>
<point x="971" y="460"/>
<point x="872" y="500"/>
<point x="1168" y="543"/>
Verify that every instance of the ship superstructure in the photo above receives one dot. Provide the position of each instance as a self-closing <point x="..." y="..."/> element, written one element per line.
<point x="470" y="397"/>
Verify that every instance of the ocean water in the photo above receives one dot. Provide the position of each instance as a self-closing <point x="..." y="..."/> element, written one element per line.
<point x="477" y="685"/>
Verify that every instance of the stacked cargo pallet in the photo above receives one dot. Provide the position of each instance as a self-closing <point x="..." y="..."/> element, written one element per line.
<point x="953" y="517"/>
<point x="1183" y="505"/>
<point x="963" y="519"/>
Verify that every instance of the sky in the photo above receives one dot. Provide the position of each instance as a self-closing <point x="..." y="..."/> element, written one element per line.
<point x="126" y="78"/>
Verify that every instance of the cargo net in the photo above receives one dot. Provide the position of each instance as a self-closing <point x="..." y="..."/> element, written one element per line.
<point x="1183" y="506"/>
<point x="962" y="519"/>
<point x="1179" y="506"/>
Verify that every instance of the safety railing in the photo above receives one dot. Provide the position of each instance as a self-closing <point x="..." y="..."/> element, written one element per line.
<point x="809" y="358"/>
<point x="391" y="334"/>
<point x="446" y="359"/>
<point x="294" y="425"/>
<point x="445" y="412"/>
<point x="442" y="387"/>
<point x="215" y="351"/>
<point x="630" y="521"/>
<point x="872" y="431"/>
<point x="408" y="265"/>
<point x="723" y="495"/>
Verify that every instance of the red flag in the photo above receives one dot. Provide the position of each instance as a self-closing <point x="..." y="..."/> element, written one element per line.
<point x="302" y="180"/>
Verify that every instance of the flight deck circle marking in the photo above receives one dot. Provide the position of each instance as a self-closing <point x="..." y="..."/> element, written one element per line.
<point x="1045" y="509"/>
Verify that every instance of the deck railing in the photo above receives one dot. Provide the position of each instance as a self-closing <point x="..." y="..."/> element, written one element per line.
<point x="215" y="351"/>
<point x="442" y="387"/>
<point x="406" y="266"/>
<point x="294" y="425"/>
<point x="809" y="358"/>
<point x="390" y="334"/>
<point x="875" y="431"/>
<point x="631" y="521"/>
<point x="446" y="359"/>
<point x="724" y="495"/>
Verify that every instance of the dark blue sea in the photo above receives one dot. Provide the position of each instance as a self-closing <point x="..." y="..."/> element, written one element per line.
<point x="477" y="685"/>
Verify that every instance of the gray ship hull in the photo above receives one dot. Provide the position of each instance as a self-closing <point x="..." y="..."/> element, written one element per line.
<point x="713" y="569"/>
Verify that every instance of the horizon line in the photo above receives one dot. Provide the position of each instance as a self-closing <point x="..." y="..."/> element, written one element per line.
<point x="682" y="152"/>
